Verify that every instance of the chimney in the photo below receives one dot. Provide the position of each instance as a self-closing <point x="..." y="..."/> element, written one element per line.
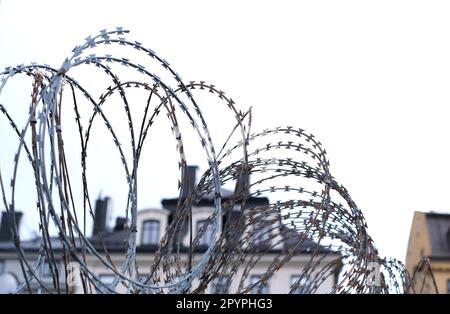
<point x="189" y="181"/>
<point x="121" y="224"/>
<point x="101" y="215"/>
<point x="242" y="182"/>
<point x="5" y="231"/>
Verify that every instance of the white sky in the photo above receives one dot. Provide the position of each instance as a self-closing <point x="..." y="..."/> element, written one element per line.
<point x="371" y="80"/>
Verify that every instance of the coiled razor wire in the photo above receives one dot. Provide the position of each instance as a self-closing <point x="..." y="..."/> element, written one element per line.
<point x="315" y="209"/>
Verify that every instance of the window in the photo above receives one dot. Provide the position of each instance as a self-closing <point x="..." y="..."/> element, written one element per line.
<point x="150" y="232"/>
<point x="2" y="266"/>
<point x="220" y="285"/>
<point x="260" y="288"/>
<point x="237" y="207"/>
<point x="302" y="287"/>
<point x="106" y="279"/>
<point x="448" y="286"/>
<point x="47" y="272"/>
<point x="143" y="278"/>
<point x="207" y="234"/>
<point x="261" y="234"/>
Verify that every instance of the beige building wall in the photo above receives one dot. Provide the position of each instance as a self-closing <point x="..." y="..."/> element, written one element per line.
<point x="419" y="242"/>
<point x="441" y="272"/>
<point x="419" y="246"/>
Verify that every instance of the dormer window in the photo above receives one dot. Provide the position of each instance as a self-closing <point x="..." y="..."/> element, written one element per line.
<point x="261" y="234"/>
<point x="207" y="234"/>
<point x="221" y="284"/>
<point x="259" y="288"/>
<point x="299" y="284"/>
<point x="105" y="279"/>
<point x="150" y="232"/>
<point x="47" y="270"/>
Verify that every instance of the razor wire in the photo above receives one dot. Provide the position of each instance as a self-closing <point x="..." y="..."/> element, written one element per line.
<point x="311" y="207"/>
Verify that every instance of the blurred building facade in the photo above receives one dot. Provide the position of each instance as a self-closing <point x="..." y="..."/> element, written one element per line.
<point x="152" y="224"/>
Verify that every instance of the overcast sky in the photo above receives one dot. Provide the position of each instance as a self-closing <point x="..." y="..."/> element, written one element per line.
<point x="370" y="79"/>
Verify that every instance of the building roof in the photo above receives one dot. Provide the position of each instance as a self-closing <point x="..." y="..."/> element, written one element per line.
<point x="208" y="200"/>
<point x="33" y="245"/>
<point x="116" y="242"/>
<point x="291" y="239"/>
